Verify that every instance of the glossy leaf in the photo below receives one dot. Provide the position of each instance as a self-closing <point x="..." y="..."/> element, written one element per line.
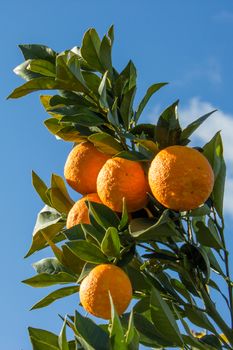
<point x="45" y="279"/>
<point x="207" y="235"/>
<point x="103" y="215"/>
<point x="34" y="51"/>
<point x="105" y="53"/>
<point x="105" y="143"/>
<point x="59" y="195"/>
<point x="22" y="71"/>
<point x="150" y="91"/>
<point x="62" y="340"/>
<point x="117" y="338"/>
<point x="91" y="333"/>
<point x="48" y="266"/>
<point x="34" y="85"/>
<point x="42" y="339"/>
<point x="48" y="221"/>
<point x="111" y="244"/>
<point x="168" y="128"/>
<point x="164" y="227"/>
<point x="188" y="131"/>
<point x="126" y="107"/>
<point x="66" y="78"/>
<point x="132" y="155"/>
<point x="57" y="294"/>
<point x="103" y="91"/>
<point x="199" y="318"/>
<point x="87" y="251"/>
<point x="213" y="151"/>
<point x="40" y="188"/>
<point x="42" y="67"/>
<point x="163" y="319"/>
<point x="90" y="49"/>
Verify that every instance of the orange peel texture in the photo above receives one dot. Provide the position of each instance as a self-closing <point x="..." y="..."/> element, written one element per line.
<point x="95" y="288"/>
<point x="181" y="178"/>
<point x="121" y="178"/>
<point x="82" y="167"/>
<point x="78" y="214"/>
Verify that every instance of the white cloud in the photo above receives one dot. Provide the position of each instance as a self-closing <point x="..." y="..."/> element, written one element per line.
<point x="224" y="16"/>
<point x="218" y="121"/>
<point x="209" y="69"/>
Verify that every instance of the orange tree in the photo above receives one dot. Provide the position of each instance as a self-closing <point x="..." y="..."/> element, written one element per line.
<point x="136" y="241"/>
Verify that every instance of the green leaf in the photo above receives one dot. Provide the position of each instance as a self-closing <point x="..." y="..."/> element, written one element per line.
<point x="213" y="261"/>
<point x="126" y="80"/>
<point x="168" y="128"/>
<point x="111" y="244"/>
<point x="132" y="155"/>
<point x="66" y="78"/>
<point x="92" y="80"/>
<point x="93" y="334"/>
<point x="87" y="251"/>
<point x="200" y="211"/>
<point x="105" y="53"/>
<point x="34" y="51"/>
<point x="42" y="83"/>
<point x="124" y="216"/>
<point x="103" y="215"/>
<point x="117" y="338"/>
<point x="62" y="340"/>
<point x="131" y="336"/>
<point x="48" y="266"/>
<point x="163" y="319"/>
<point x="40" y="188"/>
<point x="59" y="195"/>
<point x="57" y="294"/>
<point x="45" y="279"/>
<point x="75" y="232"/>
<point x="145" y="229"/>
<point x="148" y="130"/>
<point x="50" y="222"/>
<point x="22" y="71"/>
<point x="105" y="143"/>
<point x="208" y="236"/>
<point x="197" y="258"/>
<point x="149" y="335"/>
<point x="42" y="67"/>
<point x="188" y="131"/>
<point x="90" y="49"/>
<point x="150" y="91"/>
<point x="199" y="318"/>
<point x="87" y="267"/>
<point x="71" y="261"/>
<point x="126" y="107"/>
<point x="90" y="230"/>
<point x="102" y="90"/>
<point x="42" y="339"/>
<point x="214" y="153"/>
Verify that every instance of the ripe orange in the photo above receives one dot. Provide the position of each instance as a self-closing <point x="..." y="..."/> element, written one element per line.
<point x="181" y="178"/>
<point x="82" y="167"/>
<point x="95" y="288"/>
<point x="78" y="214"/>
<point x="121" y="178"/>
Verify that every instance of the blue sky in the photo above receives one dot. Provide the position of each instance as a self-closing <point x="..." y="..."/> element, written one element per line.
<point x="187" y="43"/>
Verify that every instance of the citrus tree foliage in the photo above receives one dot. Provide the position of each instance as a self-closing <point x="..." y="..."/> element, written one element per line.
<point x="175" y="260"/>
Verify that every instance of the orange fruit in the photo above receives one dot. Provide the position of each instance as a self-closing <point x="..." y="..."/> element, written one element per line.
<point x="181" y="178"/>
<point x="78" y="214"/>
<point x="95" y="288"/>
<point x="121" y="178"/>
<point x="82" y="167"/>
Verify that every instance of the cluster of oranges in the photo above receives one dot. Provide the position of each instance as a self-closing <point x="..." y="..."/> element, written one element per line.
<point x="179" y="177"/>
